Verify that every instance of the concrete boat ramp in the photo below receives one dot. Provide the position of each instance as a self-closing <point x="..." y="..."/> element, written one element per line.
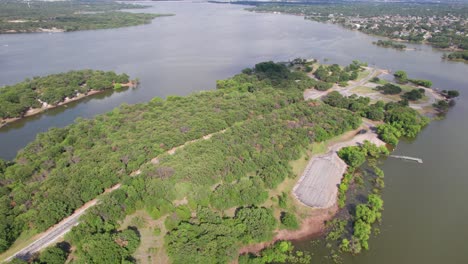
<point x="318" y="185"/>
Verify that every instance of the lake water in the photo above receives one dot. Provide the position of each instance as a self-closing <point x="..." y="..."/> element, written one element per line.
<point x="425" y="210"/>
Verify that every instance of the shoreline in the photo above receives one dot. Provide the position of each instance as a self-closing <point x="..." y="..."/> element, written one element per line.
<point x="63" y="30"/>
<point x="455" y="60"/>
<point x="313" y="225"/>
<point x="423" y="42"/>
<point x="37" y="30"/>
<point x="36" y="111"/>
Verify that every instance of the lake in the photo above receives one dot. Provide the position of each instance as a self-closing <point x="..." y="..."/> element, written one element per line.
<point x="425" y="211"/>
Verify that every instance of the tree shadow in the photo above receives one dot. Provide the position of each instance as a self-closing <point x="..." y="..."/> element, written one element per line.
<point x="135" y="229"/>
<point x="65" y="246"/>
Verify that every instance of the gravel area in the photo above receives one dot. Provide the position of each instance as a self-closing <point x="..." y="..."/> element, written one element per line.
<point x="318" y="185"/>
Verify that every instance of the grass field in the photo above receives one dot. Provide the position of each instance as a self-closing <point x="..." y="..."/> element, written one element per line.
<point x="363" y="90"/>
<point x="151" y="249"/>
<point x="362" y="74"/>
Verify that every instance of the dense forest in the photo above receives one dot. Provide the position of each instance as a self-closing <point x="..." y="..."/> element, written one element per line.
<point x="35" y="16"/>
<point x="265" y="124"/>
<point x="16" y="100"/>
<point x="64" y="168"/>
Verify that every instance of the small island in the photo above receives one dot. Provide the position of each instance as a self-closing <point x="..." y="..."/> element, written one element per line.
<point x="389" y="44"/>
<point x="457" y="56"/>
<point x="36" y="95"/>
<point x="65" y="16"/>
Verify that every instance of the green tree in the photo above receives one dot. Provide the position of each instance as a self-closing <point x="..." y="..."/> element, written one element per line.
<point x="259" y="223"/>
<point x="100" y="248"/>
<point x="425" y="83"/>
<point x="128" y="239"/>
<point x="453" y="93"/>
<point x="18" y="261"/>
<point x="289" y="220"/>
<point x="53" y="255"/>
<point x="389" y="88"/>
<point x="353" y="156"/>
<point x="401" y="76"/>
<point x="388" y="134"/>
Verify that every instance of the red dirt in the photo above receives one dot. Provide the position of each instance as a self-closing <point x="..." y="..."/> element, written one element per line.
<point x="312" y="226"/>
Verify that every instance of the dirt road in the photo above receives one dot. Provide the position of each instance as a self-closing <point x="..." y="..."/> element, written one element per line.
<point x="311" y="94"/>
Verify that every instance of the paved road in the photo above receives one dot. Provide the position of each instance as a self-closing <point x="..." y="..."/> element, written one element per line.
<point x="57" y="231"/>
<point x="374" y="72"/>
<point x="51" y="235"/>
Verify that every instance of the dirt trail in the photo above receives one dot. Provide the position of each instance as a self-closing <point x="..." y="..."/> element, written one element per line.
<point x="60" y="229"/>
<point x="173" y="150"/>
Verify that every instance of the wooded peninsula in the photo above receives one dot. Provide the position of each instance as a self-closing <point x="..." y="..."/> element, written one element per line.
<point x="33" y="96"/>
<point x="207" y="174"/>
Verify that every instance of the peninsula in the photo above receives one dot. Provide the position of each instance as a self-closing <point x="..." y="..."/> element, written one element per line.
<point x="65" y="16"/>
<point x="215" y="174"/>
<point x="34" y="96"/>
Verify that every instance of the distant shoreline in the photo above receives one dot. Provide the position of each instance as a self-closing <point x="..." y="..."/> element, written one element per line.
<point x="38" y="30"/>
<point x="423" y="42"/>
<point x="144" y="19"/>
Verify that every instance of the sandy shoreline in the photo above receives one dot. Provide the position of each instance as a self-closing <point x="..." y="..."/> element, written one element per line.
<point x="35" y="111"/>
<point x="38" y="30"/>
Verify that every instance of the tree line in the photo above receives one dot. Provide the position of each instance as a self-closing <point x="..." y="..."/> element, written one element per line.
<point x="21" y="17"/>
<point x="17" y="99"/>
